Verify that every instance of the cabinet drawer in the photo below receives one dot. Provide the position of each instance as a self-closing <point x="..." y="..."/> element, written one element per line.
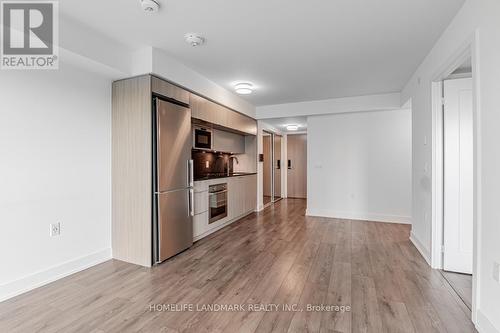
<point x="200" y="202"/>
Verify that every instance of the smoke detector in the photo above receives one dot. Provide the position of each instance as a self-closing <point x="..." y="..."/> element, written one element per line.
<point x="150" y="6"/>
<point x="194" y="39"/>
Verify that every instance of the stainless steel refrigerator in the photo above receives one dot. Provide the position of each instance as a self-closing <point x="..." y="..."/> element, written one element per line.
<point x="173" y="179"/>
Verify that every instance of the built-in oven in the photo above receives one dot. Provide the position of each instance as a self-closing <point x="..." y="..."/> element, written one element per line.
<point x="217" y="202"/>
<point x="202" y="138"/>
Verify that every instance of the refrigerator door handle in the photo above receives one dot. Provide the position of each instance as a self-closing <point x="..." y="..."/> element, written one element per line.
<point x="191" y="202"/>
<point x="190" y="173"/>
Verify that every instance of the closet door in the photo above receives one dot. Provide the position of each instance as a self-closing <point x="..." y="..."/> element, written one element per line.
<point x="297" y="166"/>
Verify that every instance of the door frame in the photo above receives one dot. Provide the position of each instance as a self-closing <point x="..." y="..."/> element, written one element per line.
<point x="271" y="157"/>
<point x="469" y="49"/>
<point x="281" y="167"/>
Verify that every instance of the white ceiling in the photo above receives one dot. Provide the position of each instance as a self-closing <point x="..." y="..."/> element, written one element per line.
<point x="281" y="123"/>
<point x="292" y="50"/>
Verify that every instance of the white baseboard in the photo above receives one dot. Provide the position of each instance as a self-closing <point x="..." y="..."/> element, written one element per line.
<point x="54" y="273"/>
<point x="484" y="325"/>
<point x="421" y="248"/>
<point x="359" y="216"/>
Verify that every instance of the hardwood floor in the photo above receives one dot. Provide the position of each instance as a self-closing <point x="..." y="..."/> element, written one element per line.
<point x="462" y="284"/>
<point x="275" y="257"/>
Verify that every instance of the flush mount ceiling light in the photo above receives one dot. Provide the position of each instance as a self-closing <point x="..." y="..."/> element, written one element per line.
<point x="150" y="6"/>
<point x="194" y="39"/>
<point x="292" y="127"/>
<point x="244" y="88"/>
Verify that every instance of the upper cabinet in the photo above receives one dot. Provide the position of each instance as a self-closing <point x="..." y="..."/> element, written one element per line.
<point x="169" y="90"/>
<point x="203" y="109"/>
<point x="228" y="142"/>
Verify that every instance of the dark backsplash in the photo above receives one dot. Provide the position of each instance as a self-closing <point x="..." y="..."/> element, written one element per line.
<point x="217" y="163"/>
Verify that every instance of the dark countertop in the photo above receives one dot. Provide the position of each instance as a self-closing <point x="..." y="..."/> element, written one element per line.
<point x="234" y="174"/>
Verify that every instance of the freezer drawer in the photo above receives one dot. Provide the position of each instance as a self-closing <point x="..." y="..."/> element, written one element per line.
<point x="175" y="224"/>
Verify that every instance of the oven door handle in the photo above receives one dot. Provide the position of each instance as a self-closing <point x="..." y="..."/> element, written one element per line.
<point x="218" y="192"/>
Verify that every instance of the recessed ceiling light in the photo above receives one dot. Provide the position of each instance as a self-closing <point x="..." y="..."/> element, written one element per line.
<point x="292" y="127"/>
<point x="194" y="39"/>
<point x="243" y="88"/>
<point x="150" y="6"/>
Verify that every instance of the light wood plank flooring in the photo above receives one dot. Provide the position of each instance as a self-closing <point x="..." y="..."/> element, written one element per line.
<point x="462" y="284"/>
<point x="275" y="257"/>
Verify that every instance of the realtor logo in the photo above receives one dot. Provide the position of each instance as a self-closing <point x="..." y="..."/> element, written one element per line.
<point x="29" y="35"/>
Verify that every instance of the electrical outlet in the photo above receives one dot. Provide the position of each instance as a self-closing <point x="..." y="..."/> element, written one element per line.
<point x="55" y="229"/>
<point x="496" y="272"/>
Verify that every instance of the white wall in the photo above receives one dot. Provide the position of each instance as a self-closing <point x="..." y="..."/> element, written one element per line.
<point x="330" y="106"/>
<point x="153" y="60"/>
<point x="55" y="151"/>
<point x="359" y="166"/>
<point x="480" y="18"/>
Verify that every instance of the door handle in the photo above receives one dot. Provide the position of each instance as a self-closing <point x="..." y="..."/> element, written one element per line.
<point x="278" y="165"/>
<point x="289" y="164"/>
<point x="191" y="202"/>
<point x="190" y="175"/>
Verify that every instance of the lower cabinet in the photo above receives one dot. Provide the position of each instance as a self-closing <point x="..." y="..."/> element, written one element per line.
<point x="241" y="200"/>
<point x="200" y="224"/>
<point x="242" y="195"/>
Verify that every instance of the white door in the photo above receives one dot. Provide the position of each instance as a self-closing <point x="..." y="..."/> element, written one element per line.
<point x="458" y="175"/>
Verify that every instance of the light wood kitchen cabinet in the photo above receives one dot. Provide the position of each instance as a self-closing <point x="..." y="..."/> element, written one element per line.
<point x="169" y="90"/>
<point x="248" y="125"/>
<point x="242" y="123"/>
<point x="220" y="115"/>
<point x="250" y="193"/>
<point x="200" y="202"/>
<point x="228" y="142"/>
<point x="200" y="108"/>
<point x="234" y="196"/>
<point x="132" y="170"/>
<point x="200" y="224"/>
<point x="241" y="200"/>
<point x="206" y="110"/>
<point x="242" y="195"/>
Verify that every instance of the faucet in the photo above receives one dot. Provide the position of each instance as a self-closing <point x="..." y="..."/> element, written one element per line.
<point x="235" y="158"/>
<point x="229" y="159"/>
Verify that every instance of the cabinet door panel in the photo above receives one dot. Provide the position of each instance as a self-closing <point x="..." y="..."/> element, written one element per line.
<point x="169" y="90"/>
<point x="200" y="224"/>
<point x="200" y="202"/>
<point x="200" y="108"/>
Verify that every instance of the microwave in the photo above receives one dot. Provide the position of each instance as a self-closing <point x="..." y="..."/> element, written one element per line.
<point x="202" y="138"/>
